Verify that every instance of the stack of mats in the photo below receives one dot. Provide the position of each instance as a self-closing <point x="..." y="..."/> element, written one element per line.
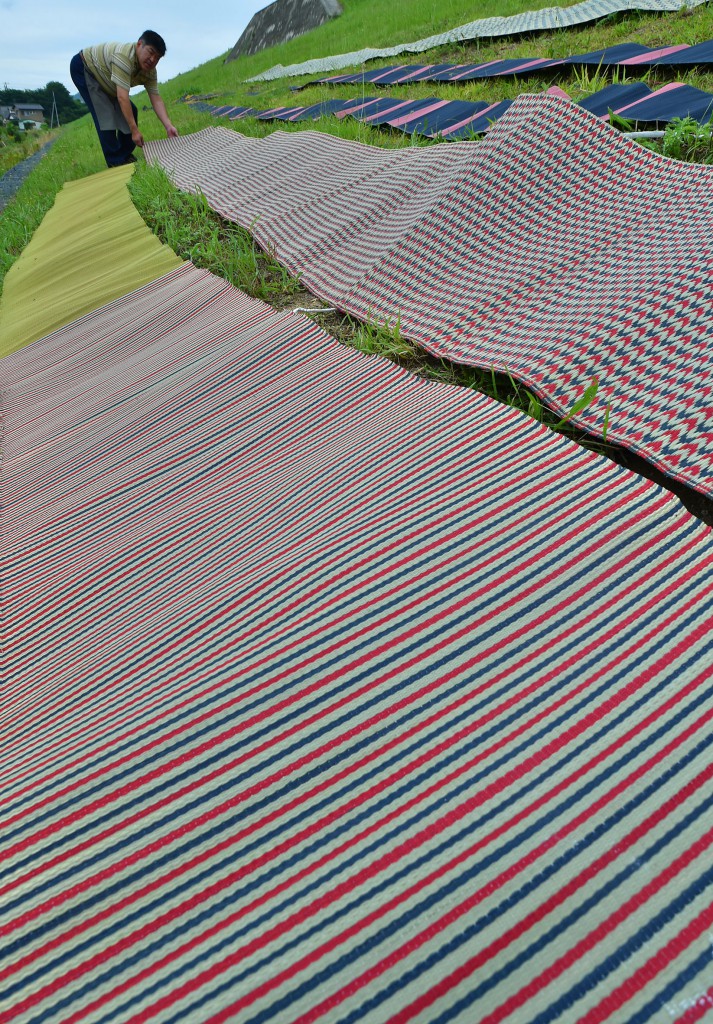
<point x="434" y="117"/>
<point x="547" y="19"/>
<point x="555" y="249"/>
<point x="335" y="695"/>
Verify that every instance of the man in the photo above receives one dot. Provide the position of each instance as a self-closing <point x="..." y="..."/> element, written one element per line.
<point x="103" y="75"/>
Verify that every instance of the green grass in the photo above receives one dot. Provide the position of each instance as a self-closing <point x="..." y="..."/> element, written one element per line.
<point x="194" y="232"/>
<point x="186" y="223"/>
<point x="16" y="148"/>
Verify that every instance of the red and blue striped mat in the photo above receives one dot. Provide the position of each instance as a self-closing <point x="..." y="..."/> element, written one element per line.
<point x="332" y="694"/>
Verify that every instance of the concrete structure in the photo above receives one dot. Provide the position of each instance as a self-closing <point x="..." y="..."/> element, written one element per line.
<point x="281" y="21"/>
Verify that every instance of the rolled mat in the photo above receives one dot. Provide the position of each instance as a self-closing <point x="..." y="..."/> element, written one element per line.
<point x="90" y="248"/>
<point x="334" y="694"/>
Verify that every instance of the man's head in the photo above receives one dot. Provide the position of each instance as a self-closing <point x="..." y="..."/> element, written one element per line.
<point x="149" y="50"/>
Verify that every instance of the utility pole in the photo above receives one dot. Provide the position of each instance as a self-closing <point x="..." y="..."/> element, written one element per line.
<point x="55" y="113"/>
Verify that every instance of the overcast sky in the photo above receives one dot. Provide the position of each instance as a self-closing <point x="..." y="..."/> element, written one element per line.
<point x="39" y="37"/>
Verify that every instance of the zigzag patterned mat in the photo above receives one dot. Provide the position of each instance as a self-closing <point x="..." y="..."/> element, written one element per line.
<point x="485" y="28"/>
<point x="434" y="117"/>
<point x="623" y="55"/>
<point x="554" y="249"/>
<point x="334" y="694"/>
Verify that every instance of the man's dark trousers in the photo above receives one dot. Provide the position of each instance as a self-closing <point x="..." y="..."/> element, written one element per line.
<point x="116" y="146"/>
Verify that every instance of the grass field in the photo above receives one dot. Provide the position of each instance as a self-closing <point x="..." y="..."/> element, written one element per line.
<point x="194" y="232"/>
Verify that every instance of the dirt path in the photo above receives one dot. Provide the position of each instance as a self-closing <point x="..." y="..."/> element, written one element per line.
<point x="12" y="179"/>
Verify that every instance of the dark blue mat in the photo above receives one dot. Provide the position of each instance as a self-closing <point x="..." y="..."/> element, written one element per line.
<point x="479" y="122"/>
<point x="615" y="97"/>
<point x="459" y="119"/>
<point x="664" y="106"/>
<point x="700" y="55"/>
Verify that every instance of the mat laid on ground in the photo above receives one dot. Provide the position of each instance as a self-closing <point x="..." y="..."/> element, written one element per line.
<point x="667" y="104"/>
<point x="623" y="55"/>
<point x="555" y="249"/>
<point x="91" y="247"/>
<point x="484" y="28"/>
<point x="332" y="694"/>
<point x="435" y="117"/>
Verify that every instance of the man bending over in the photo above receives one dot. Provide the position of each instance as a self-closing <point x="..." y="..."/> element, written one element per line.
<point x="103" y="74"/>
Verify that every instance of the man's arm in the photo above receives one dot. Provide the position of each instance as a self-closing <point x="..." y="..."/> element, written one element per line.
<point x="160" y="111"/>
<point x="122" y="96"/>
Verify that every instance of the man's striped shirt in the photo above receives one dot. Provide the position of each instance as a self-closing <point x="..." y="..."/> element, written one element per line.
<point x="115" y="65"/>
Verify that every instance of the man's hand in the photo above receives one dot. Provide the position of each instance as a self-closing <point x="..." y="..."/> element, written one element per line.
<point x="161" y="113"/>
<point x="137" y="137"/>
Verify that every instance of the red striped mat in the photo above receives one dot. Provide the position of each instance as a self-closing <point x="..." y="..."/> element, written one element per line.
<point x="336" y="695"/>
<point x="554" y="249"/>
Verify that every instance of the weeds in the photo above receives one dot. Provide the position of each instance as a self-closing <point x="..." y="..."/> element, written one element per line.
<point x="586" y="81"/>
<point x="686" y="139"/>
<point x="185" y="222"/>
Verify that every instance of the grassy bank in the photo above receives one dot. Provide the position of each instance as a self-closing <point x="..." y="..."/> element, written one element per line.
<point x="16" y="148"/>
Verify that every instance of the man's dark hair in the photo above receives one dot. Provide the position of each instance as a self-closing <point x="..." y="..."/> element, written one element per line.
<point x="155" y="40"/>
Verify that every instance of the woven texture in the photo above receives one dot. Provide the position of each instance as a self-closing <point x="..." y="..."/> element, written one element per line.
<point x="434" y="117"/>
<point x="598" y="268"/>
<point x="336" y="695"/>
<point x="622" y="55"/>
<point x="91" y="247"/>
<point x="485" y="28"/>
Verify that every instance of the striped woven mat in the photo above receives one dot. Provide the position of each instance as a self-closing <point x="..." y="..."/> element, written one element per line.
<point x="546" y="19"/>
<point x="446" y="119"/>
<point x="336" y="695"/>
<point x="555" y="250"/>
<point x="621" y="55"/>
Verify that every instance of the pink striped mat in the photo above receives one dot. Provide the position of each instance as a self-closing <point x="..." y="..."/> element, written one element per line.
<point x="554" y="249"/>
<point x="336" y="695"/>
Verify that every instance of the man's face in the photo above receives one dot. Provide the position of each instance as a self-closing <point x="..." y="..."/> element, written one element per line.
<point x="147" y="57"/>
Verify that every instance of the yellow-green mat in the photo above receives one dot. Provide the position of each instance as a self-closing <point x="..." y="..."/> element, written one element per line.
<point x="92" y="247"/>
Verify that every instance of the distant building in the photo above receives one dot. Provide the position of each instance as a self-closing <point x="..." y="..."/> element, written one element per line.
<point x="30" y="112"/>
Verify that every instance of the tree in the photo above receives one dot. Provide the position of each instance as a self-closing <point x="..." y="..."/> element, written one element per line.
<point x="68" y="108"/>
